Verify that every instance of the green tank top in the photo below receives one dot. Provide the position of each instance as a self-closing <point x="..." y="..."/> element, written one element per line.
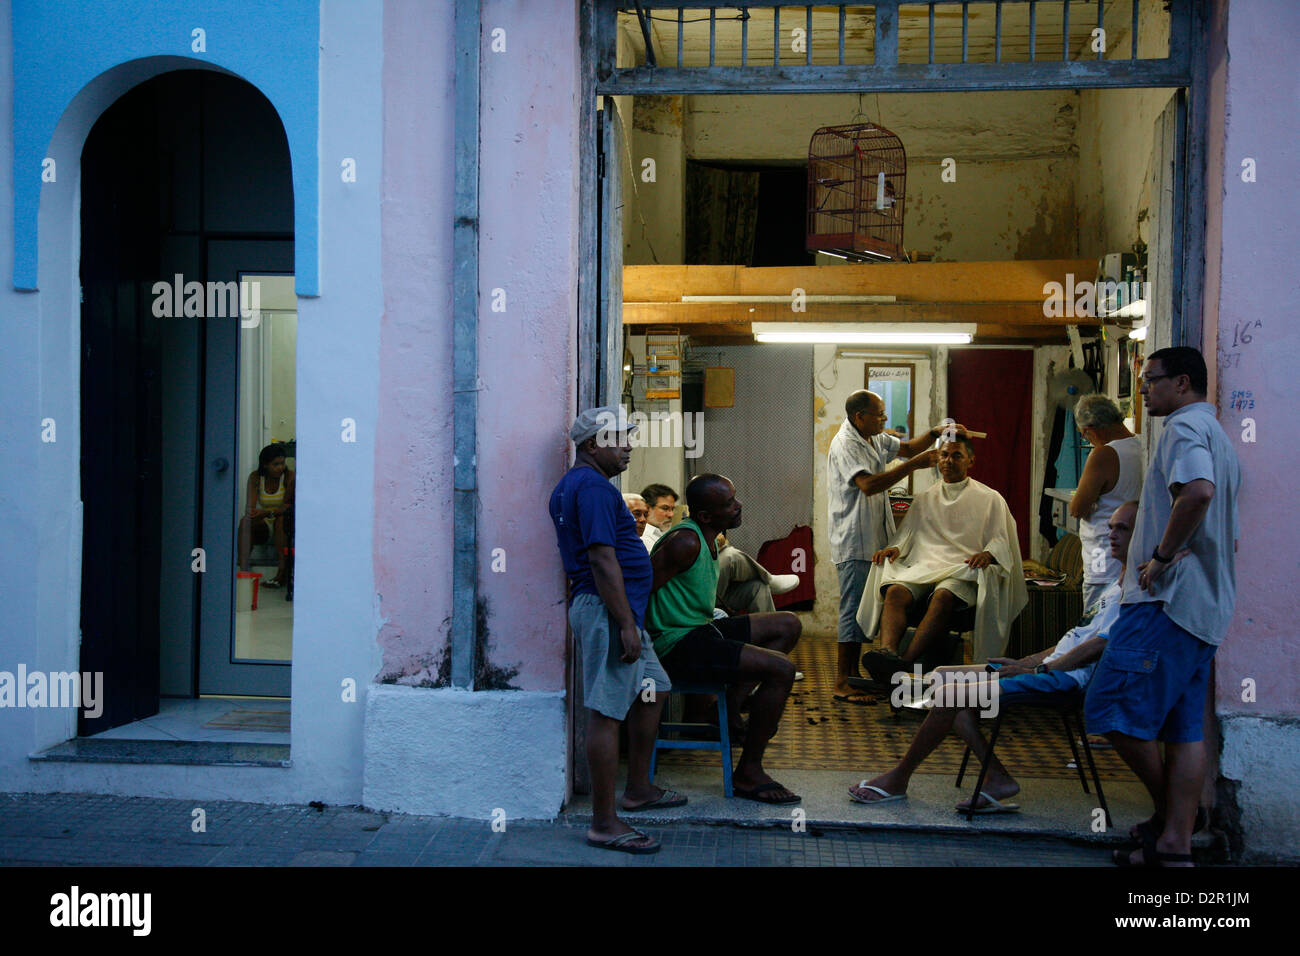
<point x="686" y="601"/>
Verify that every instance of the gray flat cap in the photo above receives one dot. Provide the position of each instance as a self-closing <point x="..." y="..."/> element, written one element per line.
<point x="607" y="418"/>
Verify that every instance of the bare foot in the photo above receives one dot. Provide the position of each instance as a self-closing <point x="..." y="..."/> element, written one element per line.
<point x="997" y="789"/>
<point x="894" y="786"/>
<point x="759" y="786"/>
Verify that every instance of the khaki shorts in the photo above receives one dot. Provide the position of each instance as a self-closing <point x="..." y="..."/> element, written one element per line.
<point x="964" y="591"/>
<point x="610" y="687"/>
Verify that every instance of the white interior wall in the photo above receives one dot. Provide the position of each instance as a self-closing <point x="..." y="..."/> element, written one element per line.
<point x="268" y="375"/>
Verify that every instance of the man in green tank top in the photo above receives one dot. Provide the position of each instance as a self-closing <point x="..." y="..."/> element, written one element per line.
<point x="743" y="652"/>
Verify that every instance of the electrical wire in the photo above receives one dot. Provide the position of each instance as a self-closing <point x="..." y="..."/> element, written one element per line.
<point x="818" y="377"/>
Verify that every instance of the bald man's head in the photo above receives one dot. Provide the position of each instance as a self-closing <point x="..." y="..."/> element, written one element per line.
<point x="866" y="412"/>
<point x="1121" y="524"/>
<point x="712" y="500"/>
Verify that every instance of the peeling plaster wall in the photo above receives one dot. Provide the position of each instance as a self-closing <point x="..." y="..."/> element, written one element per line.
<point x="413" y="467"/>
<point x="1015" y="154"/>
<point x="529" y="187"/>
<point x="653" y="218"/>
<point x="1115" y="137"/>
<point x="997" y="210"/>
<point x="528" y="249"/>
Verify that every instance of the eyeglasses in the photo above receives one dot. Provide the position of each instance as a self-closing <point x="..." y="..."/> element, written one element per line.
<point x="1148" y="379"/>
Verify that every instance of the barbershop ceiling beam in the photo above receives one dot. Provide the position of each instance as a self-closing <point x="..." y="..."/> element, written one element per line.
<point x="687" y="314"/>
<point x="1015" y="281"/>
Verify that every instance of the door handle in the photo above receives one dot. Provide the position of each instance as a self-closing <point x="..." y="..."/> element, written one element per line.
<point x="220" y="464"/>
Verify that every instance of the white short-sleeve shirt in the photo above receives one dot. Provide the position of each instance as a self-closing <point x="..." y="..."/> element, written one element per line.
<point x="1097" y="622"/>
<point x="860" y="525"/>
<point x="1200" y="590"/>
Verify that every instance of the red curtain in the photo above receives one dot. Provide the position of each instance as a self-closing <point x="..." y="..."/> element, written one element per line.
<point x="780" y="556"/>
<point x="991" y="390"/>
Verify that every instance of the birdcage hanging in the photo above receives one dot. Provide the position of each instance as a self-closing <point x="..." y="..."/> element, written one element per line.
<point x="857" y="181"/>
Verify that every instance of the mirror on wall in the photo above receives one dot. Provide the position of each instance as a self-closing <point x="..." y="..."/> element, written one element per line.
<point x="896" y="385"/>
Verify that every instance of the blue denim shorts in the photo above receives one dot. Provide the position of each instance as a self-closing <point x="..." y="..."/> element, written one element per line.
<point x="853" y="582"/>
<point x="1151" y="681"/>
<point x="1022" y="687"/>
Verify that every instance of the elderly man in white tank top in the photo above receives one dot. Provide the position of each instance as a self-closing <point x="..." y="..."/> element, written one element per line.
<point x="1111" y="476"/>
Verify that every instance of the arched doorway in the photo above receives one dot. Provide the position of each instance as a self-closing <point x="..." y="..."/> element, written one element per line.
<point x="188" y="317"/>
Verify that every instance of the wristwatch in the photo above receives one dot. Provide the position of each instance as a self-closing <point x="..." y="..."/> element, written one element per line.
<point x="1040" y="669"/>
<point x="1157" y="556"/>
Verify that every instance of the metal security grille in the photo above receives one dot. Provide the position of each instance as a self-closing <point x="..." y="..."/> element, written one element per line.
<point x="891" y="46"/>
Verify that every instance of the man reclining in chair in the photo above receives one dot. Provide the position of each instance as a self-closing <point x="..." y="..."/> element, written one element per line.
<point x="957" y="547"/>
<point x="741" y="652"/>
<point x="1061" y="669"/>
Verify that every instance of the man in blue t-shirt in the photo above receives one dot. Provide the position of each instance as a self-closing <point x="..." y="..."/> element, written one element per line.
<point x="609" y="586"/>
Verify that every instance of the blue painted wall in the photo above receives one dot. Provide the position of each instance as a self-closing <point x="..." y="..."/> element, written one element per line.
<point x="60" y="46"/>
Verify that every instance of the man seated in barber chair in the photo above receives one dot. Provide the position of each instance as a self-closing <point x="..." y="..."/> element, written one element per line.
<point x="958" y="548"/>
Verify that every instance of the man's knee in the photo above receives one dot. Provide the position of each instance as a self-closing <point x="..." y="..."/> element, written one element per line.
<point x="790" y="625"/>
<point x="782" y="673"/>
<point x="943" y="599"/>
<point x="898" y="596"/>
<point x="942" y="603"/>
<point x="768" y="668"/>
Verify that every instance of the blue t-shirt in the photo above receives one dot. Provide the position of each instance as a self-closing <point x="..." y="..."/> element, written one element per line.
<point x="588" y="510"/>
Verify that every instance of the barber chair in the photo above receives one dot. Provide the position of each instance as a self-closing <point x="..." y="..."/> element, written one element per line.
<point x="947" y="649"/>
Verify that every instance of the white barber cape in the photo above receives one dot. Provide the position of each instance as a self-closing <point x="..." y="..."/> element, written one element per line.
<point x="946" y="524"/>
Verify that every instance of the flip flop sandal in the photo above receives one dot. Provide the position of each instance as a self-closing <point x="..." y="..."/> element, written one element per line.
<point x="670" y="798"/>
<point x="993" y="806"/>
<point x="764" y="788"/>
<point x="620" y="843"/>
<point x="885" y="795"/>
<point x="861" y="700"/>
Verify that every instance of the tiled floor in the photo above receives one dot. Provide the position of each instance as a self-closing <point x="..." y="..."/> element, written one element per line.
<point x="267" y="633"/>
<point x="818" y="732"/>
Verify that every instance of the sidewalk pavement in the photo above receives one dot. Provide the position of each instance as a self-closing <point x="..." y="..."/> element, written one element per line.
<point x="66" y="829"/>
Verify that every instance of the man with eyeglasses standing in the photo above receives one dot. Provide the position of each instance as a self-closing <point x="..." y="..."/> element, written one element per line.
<point x="858" y="478"/>
<point x="1179" y="590"/>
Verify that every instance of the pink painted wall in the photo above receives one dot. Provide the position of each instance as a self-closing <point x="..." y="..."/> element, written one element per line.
<point x="528" y="248"/>
<point x="413" y="450"/>
<point x="1257" y="281"/>
<point x="529" y="211"/>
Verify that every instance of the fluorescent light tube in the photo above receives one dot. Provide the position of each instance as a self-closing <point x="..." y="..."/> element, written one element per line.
<point x="866" y="333"/>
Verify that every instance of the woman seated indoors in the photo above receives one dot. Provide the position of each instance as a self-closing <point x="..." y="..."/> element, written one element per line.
<point x="270" y="501"/>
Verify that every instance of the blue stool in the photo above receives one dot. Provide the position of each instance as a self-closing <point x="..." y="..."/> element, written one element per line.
<point x="723" y="744"/>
